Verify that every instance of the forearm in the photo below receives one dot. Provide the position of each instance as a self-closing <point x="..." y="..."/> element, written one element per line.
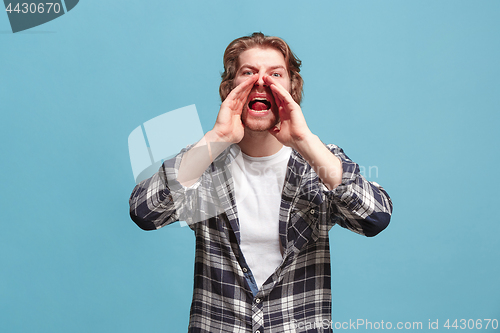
<point x="198" y="158"/>
<point x="327" y="166"/>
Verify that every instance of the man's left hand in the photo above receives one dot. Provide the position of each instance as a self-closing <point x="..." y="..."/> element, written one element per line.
<point x="293" y="132"/>
<point x="292" y="127"/>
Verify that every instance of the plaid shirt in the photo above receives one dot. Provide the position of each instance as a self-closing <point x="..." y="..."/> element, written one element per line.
<point x="297" y="296"/>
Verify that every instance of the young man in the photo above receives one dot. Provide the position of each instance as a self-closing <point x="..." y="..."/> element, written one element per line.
<point x="261" y="192"/>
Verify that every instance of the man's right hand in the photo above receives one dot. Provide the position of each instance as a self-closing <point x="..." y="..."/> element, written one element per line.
<point x="228" y="129"/>
<point x="228" y="126"/>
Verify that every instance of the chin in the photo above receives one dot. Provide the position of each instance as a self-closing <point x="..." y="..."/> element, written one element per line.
<point x="259" y="124"/>
<point x="259" y="127"/>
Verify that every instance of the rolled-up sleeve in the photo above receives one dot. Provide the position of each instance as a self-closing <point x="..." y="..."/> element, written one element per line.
<point x="152" y="203"/>
<point x="361" y="206"/>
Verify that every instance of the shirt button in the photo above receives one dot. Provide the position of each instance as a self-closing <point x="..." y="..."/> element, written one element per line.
<point x="257" y="300"/>
<point x="312" y="211"/>
<point x="245" y="270"/>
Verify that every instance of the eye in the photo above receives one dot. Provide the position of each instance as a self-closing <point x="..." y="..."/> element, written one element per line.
<point x="276" y="75"/>
<point x="248" y="73"/>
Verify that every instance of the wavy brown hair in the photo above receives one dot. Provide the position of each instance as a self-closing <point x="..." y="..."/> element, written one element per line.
<point x="258" y="39"/>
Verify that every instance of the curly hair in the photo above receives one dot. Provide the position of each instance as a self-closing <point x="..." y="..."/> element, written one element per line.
<point x="258" y="39"/>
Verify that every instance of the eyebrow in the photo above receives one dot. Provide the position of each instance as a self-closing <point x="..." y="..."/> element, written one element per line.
<point x="271" y="68"/>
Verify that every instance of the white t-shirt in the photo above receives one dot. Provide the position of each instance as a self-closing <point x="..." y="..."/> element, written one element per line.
<point x="258" y="183"/>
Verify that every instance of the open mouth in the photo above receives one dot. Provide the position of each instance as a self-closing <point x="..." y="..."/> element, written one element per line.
<point x="259" y="104"/>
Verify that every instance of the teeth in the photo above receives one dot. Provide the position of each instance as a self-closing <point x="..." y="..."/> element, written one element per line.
<point x="259" y="99"/>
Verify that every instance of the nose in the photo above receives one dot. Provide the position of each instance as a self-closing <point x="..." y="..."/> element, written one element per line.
<point x="260" y="82"/>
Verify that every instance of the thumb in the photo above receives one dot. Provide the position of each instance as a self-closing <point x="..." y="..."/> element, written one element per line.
<point x="275" y="130"/>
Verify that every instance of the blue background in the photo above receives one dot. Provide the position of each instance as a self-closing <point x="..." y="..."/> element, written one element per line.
<point x="410" y="88"/>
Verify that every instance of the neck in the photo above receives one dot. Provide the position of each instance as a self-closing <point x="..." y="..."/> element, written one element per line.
<point x="259" y="144"/>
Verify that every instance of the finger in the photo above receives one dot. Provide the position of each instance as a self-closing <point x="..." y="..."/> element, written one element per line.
<point x="244" y="88"/>
<point x="269" y="80"/>
<point x="278" y="90"/>
<point x="274" y="131"/>
<point x="249" y="84"/>
<point x="238" y="96"/>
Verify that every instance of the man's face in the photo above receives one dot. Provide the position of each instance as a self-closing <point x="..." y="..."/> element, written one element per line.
<point x="260" y="112"/>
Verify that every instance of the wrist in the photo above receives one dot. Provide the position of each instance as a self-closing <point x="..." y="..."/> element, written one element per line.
<point x="216" y="143"/>
<point x="304" y="143"/>
<point x="216" y="136"/>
